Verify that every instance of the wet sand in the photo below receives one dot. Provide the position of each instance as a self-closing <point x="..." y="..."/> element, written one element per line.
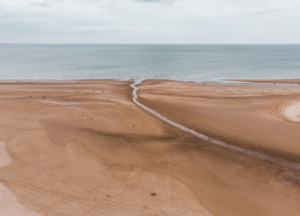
<point x="95" y="152"/>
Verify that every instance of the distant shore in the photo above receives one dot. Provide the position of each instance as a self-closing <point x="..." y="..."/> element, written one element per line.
<point x="199" y="80"/>
<point x="283" y="81"/>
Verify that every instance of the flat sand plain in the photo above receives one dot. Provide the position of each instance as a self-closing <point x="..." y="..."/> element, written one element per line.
<point x="87" y="149"/>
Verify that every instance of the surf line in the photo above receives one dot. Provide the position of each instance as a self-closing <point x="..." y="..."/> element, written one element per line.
<point x="216" y="142"/>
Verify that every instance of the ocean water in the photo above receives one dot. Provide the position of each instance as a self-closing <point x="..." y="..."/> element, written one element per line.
<point x="181" y="62"/>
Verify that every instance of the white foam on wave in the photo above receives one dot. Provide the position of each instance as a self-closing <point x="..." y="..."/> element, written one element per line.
<point x="213" y="141"/>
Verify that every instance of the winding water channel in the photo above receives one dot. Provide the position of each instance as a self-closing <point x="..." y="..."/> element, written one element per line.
<point x="213" y="141"/>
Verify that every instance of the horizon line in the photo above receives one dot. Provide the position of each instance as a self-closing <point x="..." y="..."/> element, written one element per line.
<point x="149" y="43"/>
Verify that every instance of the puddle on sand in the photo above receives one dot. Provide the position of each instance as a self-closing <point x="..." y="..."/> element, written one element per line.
<point x="9" y="205"/>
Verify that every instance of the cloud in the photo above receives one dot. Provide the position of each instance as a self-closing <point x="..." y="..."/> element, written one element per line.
<point x="276" y="8"/>
<point x="164" y="2"/>
<point x="153" y="21"/>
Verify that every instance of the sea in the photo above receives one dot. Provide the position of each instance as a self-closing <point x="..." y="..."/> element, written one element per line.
<point x="177" y="62"/>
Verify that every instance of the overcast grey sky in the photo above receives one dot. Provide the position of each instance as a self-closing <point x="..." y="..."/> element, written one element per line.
<point x="149" y="21"/>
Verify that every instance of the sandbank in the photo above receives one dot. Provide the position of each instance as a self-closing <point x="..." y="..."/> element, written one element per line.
<point x="88" y="149"/>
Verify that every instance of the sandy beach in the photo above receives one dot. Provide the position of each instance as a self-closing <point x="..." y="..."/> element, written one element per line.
<point x="85" y="148"/>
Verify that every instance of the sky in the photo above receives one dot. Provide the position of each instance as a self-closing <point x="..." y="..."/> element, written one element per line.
<point x="150" y="21"/>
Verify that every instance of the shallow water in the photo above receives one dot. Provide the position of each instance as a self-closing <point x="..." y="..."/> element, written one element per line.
<point x="182" y="62"/>
<point x="213" y="141"/>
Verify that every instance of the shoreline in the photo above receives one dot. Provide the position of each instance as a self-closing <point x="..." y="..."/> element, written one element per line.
<point x="258" y="81"/>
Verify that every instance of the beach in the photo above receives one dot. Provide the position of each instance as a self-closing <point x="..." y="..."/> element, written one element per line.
<point x="85" y="147"/>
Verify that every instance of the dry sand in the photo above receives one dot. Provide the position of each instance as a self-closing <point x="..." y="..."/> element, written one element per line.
<point x="292" y="112"/>
<point x="97" y="153"/>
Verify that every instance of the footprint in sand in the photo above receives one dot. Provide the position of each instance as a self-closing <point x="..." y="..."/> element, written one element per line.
<point x="164" y="161"/>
